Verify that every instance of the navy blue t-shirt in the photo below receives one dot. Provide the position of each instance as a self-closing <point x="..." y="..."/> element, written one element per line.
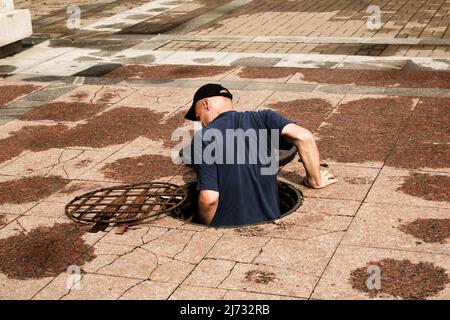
<point x="247" y="193"/>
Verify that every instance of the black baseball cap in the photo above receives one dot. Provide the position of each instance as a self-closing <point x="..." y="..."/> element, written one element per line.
<point x="207" y="91"/>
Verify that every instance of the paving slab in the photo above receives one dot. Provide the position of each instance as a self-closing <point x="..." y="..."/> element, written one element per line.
<point x="149" y="290"/>
<point x="100" y="287"/>
<point x="28" y="223"/>
<point x="309" y="256"/>
<point x="200" y="244"/>
<point x="59" y="68"/>
<point x="6" y="218"/>
<point x="265" y="74"/>
<point x="243" y="295"/>
<point x="185" y="292"/>
<point x="239" y="248"/>
<point x="324" y="206"/>
<point x="392" y="187"/>
<point x="194" y="58"/>
<point x="67" y="163"/>
<point x="336" y="284"/>
<point x="171" y="270"/>
<point x="265" y="279"/>
<point x="96" y="94"/>
<point x="11" y="289"/>
<point x="386" y="226"/>
<point x="354" y="182"/>
<point x="210" y="273"/>
<point x="143" y="263"/>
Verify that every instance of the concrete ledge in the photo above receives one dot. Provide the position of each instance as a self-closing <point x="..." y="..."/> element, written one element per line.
<point x="301" y="39"/>
<point x="14" y="26"/>
<point x="8" y="50"/>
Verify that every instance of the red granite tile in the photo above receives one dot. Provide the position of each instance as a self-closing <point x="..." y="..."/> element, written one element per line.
<point x="351" y="139"/>
<point x="44" y="252"/>
<point x="420" y="156"/>
<point x="142" y="168"/>
<point x="427" y="129"/>
<point x="10" y="93"/>
<point x="378" y="78"/>
<point x="428" y="230"/>
<point x="433" y="107"/>
<point x="402" y="278"/>
<point x="372" y="106"/>
<point x="100" y="131"/>
<point x="367" y="136"/>
<point x="30" y="189"/>
<point x="427" y="186"/>
<point x="64" y="111"/>
<point x="9" y="152"/>
<point x="266" y="72"/>
<point x="423" y="144"/>
<point x="307" y="113"/>
<point x="168" y="72"/>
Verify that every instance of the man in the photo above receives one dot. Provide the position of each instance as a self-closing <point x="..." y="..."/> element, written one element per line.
<point x="237" y="193"/>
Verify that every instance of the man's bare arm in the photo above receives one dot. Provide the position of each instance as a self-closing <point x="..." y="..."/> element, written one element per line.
<point x="207" y="205"/>
<point x="308" y="152"/>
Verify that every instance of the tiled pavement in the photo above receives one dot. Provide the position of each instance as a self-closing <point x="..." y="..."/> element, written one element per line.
<point x="374" y="143"/>
<point x="78" y="118"/>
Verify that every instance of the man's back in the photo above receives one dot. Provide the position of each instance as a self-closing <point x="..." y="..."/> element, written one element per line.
<point x="247" y="192"/>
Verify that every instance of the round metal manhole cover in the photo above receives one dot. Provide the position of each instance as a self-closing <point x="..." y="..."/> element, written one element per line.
<point x="127" y="203"/>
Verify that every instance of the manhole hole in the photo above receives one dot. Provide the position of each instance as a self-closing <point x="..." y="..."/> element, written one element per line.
<point x="126" y="204"/>
<point x="290" y="200"/>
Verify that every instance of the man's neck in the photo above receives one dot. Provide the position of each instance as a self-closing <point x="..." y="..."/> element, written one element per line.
<point x="225" y="109"/>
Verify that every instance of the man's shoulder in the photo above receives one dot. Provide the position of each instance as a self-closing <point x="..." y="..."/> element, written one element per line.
<point x="241" y="117"/>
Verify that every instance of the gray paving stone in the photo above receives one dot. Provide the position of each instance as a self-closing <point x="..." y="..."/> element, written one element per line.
<point x="411" y="65"/>
<point x="280" y="86"/>
<point x="50" y="93"/>
<point x="98" y="70"/>
<point x="385" y="65"/>
<point x="5" y="120"/>
<point x="102" y="80"/>
<point x="23" y="104"/>
<point x="419" y="92"/>
<point x="13" y="112"/>
<point x="349" y="89"/>
<point x="256" y="62"/>
<point x="131" y="81"/>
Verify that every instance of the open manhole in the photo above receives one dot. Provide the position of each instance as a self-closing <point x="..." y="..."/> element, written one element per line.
<point x="290" y="200"/>
<point x="128" y="204"/>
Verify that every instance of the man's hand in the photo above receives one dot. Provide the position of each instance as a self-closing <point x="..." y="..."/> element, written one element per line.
<point x="316" y="176"/>
<point x="326" y="179"/>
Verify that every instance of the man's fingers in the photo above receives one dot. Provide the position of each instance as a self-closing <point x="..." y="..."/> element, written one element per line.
<point x="328" y="175"/>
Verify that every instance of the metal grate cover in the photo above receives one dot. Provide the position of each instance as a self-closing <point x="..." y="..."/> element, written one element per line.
<point x="127" y="203"/>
